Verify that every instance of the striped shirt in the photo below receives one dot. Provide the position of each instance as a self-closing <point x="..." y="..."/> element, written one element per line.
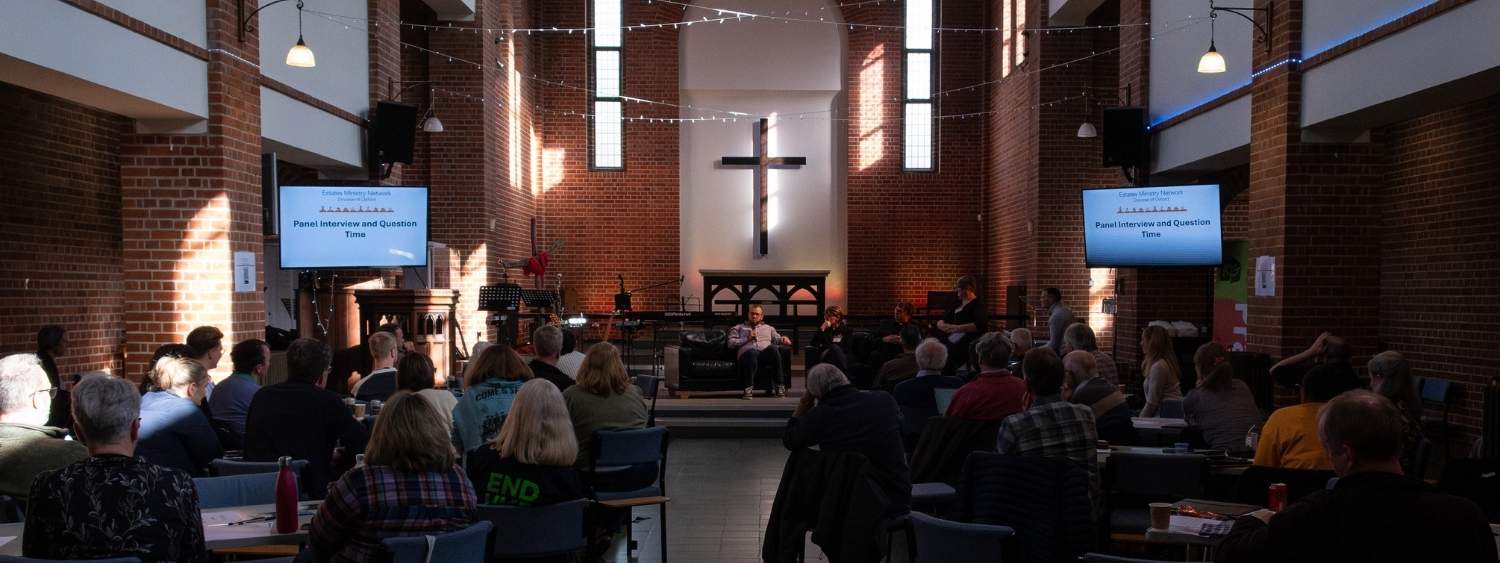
<point x="375" y="502"/>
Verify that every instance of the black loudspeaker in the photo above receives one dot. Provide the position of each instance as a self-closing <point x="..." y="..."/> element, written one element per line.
<point x="270" y="204"/>
<point x="393" y="132"/>
<point x="1125" y="139"/>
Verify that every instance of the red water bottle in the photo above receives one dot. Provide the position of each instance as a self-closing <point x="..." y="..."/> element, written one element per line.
<point x="286" y="497"/>
<point x="1276" y="497"/>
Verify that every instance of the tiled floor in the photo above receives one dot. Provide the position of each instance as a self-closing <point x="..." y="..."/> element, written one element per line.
<point x="721" y="493"/>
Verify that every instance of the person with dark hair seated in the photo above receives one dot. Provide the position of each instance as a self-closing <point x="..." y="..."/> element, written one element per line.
<point x="112" y="504"/>
<point x="415" y="374"/>
<point x="964" y="323"/>
<point x="996" y="393"/>
<point x="1290" y="437"/>
<point x="1326" y="349"/>
<point x="174" y="432"/>
<point x="301" y="419"/>
<point x="1052" y="427"/>
<point x="571" y="359"/>
<point x="756" y="351"/>
<point x="903" y="367"/>
<point x="1083" y="385"/>
<point x="1374" y="513"/>
<point x="207" y="343"/>
<point x="51" y="343"/>
<point x="1222" y="407"/>
<point x="888" y="334"/>
<point x="231" y="401"/>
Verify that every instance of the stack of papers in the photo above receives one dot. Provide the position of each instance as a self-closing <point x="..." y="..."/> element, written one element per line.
<point x="1199" y="526"/>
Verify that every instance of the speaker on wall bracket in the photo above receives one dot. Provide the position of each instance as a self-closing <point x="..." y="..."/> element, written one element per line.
<point x="392" y="136"/>
<point x="1127" y="143"/>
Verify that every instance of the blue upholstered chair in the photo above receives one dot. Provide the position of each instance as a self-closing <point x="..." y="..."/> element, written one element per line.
<point x="537" y="531"/>
<point x="461" y="546"/>
<point x="627" y="452"/>
<point x="940" y="540"/>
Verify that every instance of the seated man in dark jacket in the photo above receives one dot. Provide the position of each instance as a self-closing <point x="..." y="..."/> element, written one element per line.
<point x="847" y="419"/>
<point x="300" y="418"/>
<point x="1373" y="513"/>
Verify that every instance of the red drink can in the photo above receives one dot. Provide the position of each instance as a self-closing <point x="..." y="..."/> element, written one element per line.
<point x="1276" y="497"/>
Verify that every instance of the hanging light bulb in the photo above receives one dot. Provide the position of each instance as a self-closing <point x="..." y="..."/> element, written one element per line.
<point x="432" y="124"/>
<point x="300" y="56"/>
<point x="1087" y="130"/>
<point x="1211" y="62"/>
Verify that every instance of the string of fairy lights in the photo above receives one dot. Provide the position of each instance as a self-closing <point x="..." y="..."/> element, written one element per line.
<point x="708" y="114"/>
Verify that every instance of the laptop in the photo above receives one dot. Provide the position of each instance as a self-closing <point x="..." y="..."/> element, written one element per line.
<point x="943" y="396"/>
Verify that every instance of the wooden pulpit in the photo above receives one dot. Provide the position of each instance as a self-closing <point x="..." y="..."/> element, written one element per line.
<point x="425" y="316"/>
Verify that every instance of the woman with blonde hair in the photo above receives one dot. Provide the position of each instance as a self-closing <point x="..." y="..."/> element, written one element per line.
<point x="530" y="463"/>
<point x="490" y="384"/>
<point x="174" y="432"/>
<point x="1163" y="375"/>
<point x="409" y="485"/>
<point x="603" y="398"/>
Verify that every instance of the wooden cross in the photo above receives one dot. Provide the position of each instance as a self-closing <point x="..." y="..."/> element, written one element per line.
<point x="762" y="164"/>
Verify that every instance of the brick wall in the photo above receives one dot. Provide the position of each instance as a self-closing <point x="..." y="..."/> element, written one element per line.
<point x="912" y="232"/>
<point x="60" y="168"/>
<point x="1438" y="297"/>
<point x="619" y="221"/>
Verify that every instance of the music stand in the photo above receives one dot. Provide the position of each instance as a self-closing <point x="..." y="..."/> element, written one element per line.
<point x="539" y="297"/>
<point x="503" y="298"/>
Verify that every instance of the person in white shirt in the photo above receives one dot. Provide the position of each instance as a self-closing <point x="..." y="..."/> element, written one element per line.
<point x="381" y="383"/>
<point x="571" y="358"/>
<point x="756" y="343"/>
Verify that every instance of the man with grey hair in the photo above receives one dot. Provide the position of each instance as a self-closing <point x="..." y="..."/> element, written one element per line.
<point x="27" y="445"/>
<point x="996" y="393"/>
<point x="917" y="393"/>
<point x="112" y="504"/>
<point x="836" y="416"/>
<point x="1079" y="336"/>
<point x="548" y="341"/>
<point x="1373" y="513"/>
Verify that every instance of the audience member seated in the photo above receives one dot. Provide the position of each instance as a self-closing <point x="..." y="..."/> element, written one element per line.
<point x="1390" y="376"/>
<point x="174" y="432"/>
<point x="1021" y="342"/>
<point x="207" y="343"/>
<point x="52" y="343"/>
<point x="1080" y="336"/>
<point x="381" y="382"/>
<point x="414" y="374"/>
<point x="1222" y="407"/>
<point x="1052" y="427"/>
<point x="112" y="504"/>
<point x="409" y="485"/>
<point x="903" y="367"/>
<point x="1163" y="375"/>
<point x="231" y="399"/>
<point x="1290" y="438"/>
<point x="1374" y="513"/>
<point x="548" y="341"/>
<point x="1083" y="385"/>
<point x="996" y="393"/>
<point x="492" y="381"/>
<point x="27" y="445"/>
<point x="571" y="358"/>
<point x="755" y="344"/>
<point x="355" y="362"/>
<point x="831" y="342"/>
<point x="530" y="463"/>
<point x="916" y="392"/>
<point x="1059" y="317"/>
<point x="964" y="323"/>
<point x="1326" y="349"/>
<point x="603" y="398"/>
<point x="836" y="416"/>
<point x="301" y="419"/>
<point x="181" y="351"/>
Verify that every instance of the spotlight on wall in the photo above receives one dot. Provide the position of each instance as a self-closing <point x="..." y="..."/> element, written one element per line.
<point x="299" y="55"/>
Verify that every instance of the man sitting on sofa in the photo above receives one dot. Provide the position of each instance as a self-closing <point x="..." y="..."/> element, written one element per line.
<point x="755" y="343"/>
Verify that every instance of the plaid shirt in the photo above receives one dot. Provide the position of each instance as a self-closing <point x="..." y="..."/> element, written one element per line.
<point x="375" y="502"/>
<point x="1053" y="427"/>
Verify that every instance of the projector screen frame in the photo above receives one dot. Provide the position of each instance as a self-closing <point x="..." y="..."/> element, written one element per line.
<point x="427" y="224"/>
<point x="1219" y="224"/>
